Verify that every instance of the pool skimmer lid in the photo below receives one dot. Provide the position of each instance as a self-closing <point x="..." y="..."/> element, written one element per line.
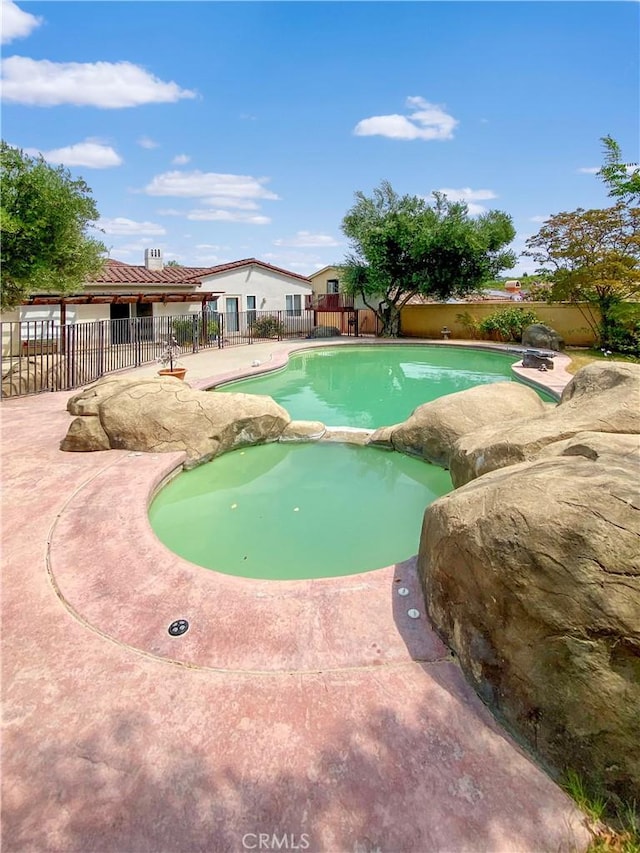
<point x="179" y="627"/>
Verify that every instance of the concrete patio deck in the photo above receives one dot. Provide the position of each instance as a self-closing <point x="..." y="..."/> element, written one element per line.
<point x="309" y="715"/>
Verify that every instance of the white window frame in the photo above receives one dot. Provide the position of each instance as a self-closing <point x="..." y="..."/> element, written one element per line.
<point x="293" y="301"/>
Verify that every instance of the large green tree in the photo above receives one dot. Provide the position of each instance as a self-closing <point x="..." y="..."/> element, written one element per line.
<point x="401" y="247"/>
<point x="44" y="214"/>
<point x="593" y="257"/>
<point x="623" y="179"/>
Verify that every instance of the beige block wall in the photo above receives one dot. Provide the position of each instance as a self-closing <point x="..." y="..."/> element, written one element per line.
<point x="426" y="321"/>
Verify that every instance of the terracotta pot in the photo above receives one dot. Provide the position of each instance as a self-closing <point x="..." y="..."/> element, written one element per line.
<point x="178" y="372"/>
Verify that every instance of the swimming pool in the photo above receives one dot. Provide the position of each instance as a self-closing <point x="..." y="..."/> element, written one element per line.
<point x="373" y="386"/>
<point x="293" y="511"/>
<point x="320" y="509"/>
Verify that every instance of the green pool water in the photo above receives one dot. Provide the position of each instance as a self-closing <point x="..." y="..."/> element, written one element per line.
<point x="292" y="511"/>
<point x="373" y="386"/>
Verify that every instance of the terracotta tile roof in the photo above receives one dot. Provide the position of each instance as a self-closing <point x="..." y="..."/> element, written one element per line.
<point x="246" y="262"/>
<point x="118" y="272"/>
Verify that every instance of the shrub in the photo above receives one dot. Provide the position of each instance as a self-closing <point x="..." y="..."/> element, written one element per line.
<point x="267" y="326"/>
<point x="507" y="324"/>
<point x="185" y="329"/>
<point x="469" y="323"/>
<point x="624" y="330"/>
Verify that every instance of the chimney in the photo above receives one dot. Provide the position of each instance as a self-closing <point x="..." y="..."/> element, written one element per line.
<point x="153" y="259"/>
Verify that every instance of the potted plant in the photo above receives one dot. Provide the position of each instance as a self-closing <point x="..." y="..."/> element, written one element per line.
<point x="169" y="357"/>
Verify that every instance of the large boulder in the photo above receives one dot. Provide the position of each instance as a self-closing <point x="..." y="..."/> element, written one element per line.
<point x="324" y="332"/>
<point x="532" y="575"/>
<point x="542" y="337"/>
<point x="164" y="414"/>
<point x="433" y="428"/>
<point x="602" y="397"/>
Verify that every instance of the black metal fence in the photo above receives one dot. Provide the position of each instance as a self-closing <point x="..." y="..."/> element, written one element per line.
<point x="41" y="355"/>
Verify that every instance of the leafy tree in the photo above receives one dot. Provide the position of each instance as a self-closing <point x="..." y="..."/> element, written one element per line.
<point x="173" y="263"/>
<point x="623" y="179"/>
<point x="594" y="259"/>
<point x="403" y="247"/>
<point x="43" y="216"/>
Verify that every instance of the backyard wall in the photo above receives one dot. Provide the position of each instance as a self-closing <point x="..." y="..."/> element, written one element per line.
<point x="426" y="321"/>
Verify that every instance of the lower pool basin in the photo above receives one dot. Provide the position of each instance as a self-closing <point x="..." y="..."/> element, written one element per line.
<point x="292" y="511"/>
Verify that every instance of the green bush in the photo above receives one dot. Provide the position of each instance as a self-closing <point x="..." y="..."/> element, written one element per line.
<point x="507" y="324"/>
<point x="185" y="329"/>
<point x="469" y="323"/>
<point x="624" y="330"/>
<point x="267" y="326"/>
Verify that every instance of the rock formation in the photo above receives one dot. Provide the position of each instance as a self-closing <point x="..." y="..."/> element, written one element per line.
<point x="540" y="336"/>
<point x="324" y="332"/>
<point x="531" y="574"/>
<point x="163" y="414"/>
<point x="602" y="397"/>
<point x="433" y="428"/>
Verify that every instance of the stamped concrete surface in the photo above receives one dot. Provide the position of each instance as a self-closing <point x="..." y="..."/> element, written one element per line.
<point x="315" y="713"/>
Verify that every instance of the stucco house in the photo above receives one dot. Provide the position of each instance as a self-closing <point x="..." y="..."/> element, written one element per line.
<point x="125" y="290"/>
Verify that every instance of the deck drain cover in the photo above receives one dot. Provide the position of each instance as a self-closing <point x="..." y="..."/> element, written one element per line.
<point x="180" y="626"/>
<point x="414" y="614"/>
<point x="403" y="591"/>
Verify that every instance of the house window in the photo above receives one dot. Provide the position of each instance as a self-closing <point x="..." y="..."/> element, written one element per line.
<point x="294" y="305"/>
<point x="251" y="309"/>
<point x="212" y="306"/>
<point x="333" y="285"/>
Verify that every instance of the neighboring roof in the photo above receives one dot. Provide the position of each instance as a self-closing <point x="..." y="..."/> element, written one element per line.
<point x="117" y="272"/>
<point x="324" y="269"/>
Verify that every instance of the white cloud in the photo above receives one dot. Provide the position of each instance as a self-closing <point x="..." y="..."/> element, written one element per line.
<point x="106" y="85"/>
<point x="211" y="247"/>
<point x="135" y="248"/>
<point x="147" y="142"/>
<point x="181" y="159"/>
<point x="538" y="218"/>
<point x="238" y="203"/>
<point x="91" y="153"/>
<point x="128" y="227"/>
<point x="589" y="170"/>
<point x="208" y="185"/>
<point x="305" y="239"/>
<point x="16" y="23"/>
<point x="208" y="257"/>
<point x="428" y="121"/>
<point x="169" y="211"/>
<point x="470" y="197"/>
<point x="218" y="191"/>
<point x="227" y="216"/>
<point x="304" y="262"/>
<point x="467" y="194"/>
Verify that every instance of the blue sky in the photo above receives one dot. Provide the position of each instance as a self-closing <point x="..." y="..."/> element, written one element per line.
<point x="224" y="130"/>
